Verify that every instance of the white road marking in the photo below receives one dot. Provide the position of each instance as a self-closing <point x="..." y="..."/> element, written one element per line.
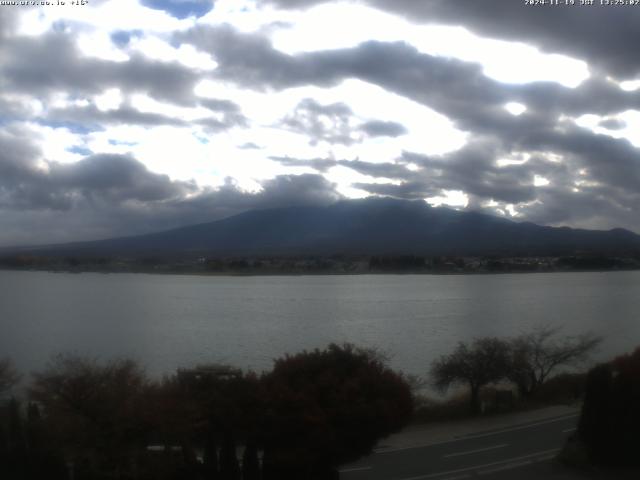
<point x="469" y="452"/>
<point x="478" y="435"/>
<point x="567" y="430"/>
<point x="521" y="427"/>
<point x="502" y="468"/>
<point x="354" y="469"/>
<point x="515" y="461"/>
<point x="511" y="466"/>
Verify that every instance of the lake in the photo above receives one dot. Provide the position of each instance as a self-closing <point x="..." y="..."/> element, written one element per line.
<point x="167" y="321"/>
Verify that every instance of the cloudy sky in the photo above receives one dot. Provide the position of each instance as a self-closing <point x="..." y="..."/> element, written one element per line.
<point x="129" y="116"/>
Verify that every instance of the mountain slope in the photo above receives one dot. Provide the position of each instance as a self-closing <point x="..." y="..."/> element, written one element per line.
<point x="360" y="227"/>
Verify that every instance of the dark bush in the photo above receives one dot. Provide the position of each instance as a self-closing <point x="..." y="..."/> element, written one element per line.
<point x="610" y="420"/>
<point x="328" y="407"/>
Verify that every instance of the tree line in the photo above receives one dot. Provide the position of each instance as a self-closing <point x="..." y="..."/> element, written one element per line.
<point x="85" y="419"/>
<point x="527" y="361"/>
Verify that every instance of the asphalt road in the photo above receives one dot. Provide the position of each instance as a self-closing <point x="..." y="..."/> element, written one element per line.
<point x="489" y="455"/>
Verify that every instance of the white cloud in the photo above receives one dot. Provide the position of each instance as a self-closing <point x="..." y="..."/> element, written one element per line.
<point x="351" y="24"/>
<point x="247" y="15"/>
<point x="144" y="103"/>
<point x="630" y="119"/>
<point x="428" y="131"/>
<point x="630" y="85"/>
<point x="540" y="181"/>
<point x="54" y="142"/>
<point x="111" y="99"/>
<point x="452" y="198"/>
<point x="516" y="158"/>
<point x="344" y="178"/>
<point x="515" y="109"/>
<point x="187" y="149"/>
<point x="159" y="49"/>
<point x="98" y="44"/>
<point x="106" y="16"/>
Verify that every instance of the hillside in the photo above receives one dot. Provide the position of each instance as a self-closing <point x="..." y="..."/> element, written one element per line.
<point x="358" y="227"/>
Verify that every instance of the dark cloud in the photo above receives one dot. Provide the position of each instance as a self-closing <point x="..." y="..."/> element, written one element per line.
<point x="115" y="179"/>
<point x="220" y="105"/>
<point x="108" y="195"/>
<point x="249" y="146"/>
<point x="17" y="154"/>
<point x="405" y="190"/>
<point x="596" y="95"/>
<point x="388" y="170"/>
<point x="225" y="115"/>
<point x="297" y="4"/>
<point x="319" y="164"/>
<point x="396" y="66"/>
<point x="181" y="8"/>
<point x="594" y="183"/>
<point x="229" y="199"/>
<point x="93" y="118"/>
<point x="306" y="189"/>
<point x="251" y="61"/>
<point x="603" y="36"/>
<point x="606" y="160"/>
<point x="329" y="123"/>
<point x="11" y="109"/>
<point x="228" y="114"/>
<point x="612" y="124"/>
<point x="474" y="102"/>
<point x="49" y="63"/>
<point x="9" y="20"/>
<point x="378" y="128"/>
<point x="474" y="170"/>
<point x="29" y="183"/>
<point x="457" y="89"/>
<point x="594" y="179"/>
<point x="335" y="123"/>
<point x="597" y="34"/>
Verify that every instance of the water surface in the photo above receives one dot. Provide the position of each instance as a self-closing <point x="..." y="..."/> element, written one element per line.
<point x="166" y="321"/>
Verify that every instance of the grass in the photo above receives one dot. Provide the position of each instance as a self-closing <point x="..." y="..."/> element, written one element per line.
<point x="563" y="389"/>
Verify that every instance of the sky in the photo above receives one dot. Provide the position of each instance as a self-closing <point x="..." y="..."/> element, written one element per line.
<point x="121" y="117"/>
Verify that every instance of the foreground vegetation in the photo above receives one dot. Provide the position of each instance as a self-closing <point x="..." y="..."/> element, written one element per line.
<point x="525" y="362"/>
<point x="82" y="419"/>
<point x="610" y="419"/>
<point x="312" y="412"/>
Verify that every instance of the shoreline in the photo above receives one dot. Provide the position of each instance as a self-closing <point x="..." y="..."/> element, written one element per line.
<point x="313" y="274"/>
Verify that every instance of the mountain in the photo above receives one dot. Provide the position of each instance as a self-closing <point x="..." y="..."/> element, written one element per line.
<point x="359" y="227"/>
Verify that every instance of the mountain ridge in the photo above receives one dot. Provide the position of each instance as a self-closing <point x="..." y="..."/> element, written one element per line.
<point x="371" y="226"/>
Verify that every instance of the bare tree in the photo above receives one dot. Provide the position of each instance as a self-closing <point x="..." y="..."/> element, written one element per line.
<point x="9" y="377"/>
<point x="485" y="361"/>
<point x="536" y="355"/>
<point x="96" y="410"/>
